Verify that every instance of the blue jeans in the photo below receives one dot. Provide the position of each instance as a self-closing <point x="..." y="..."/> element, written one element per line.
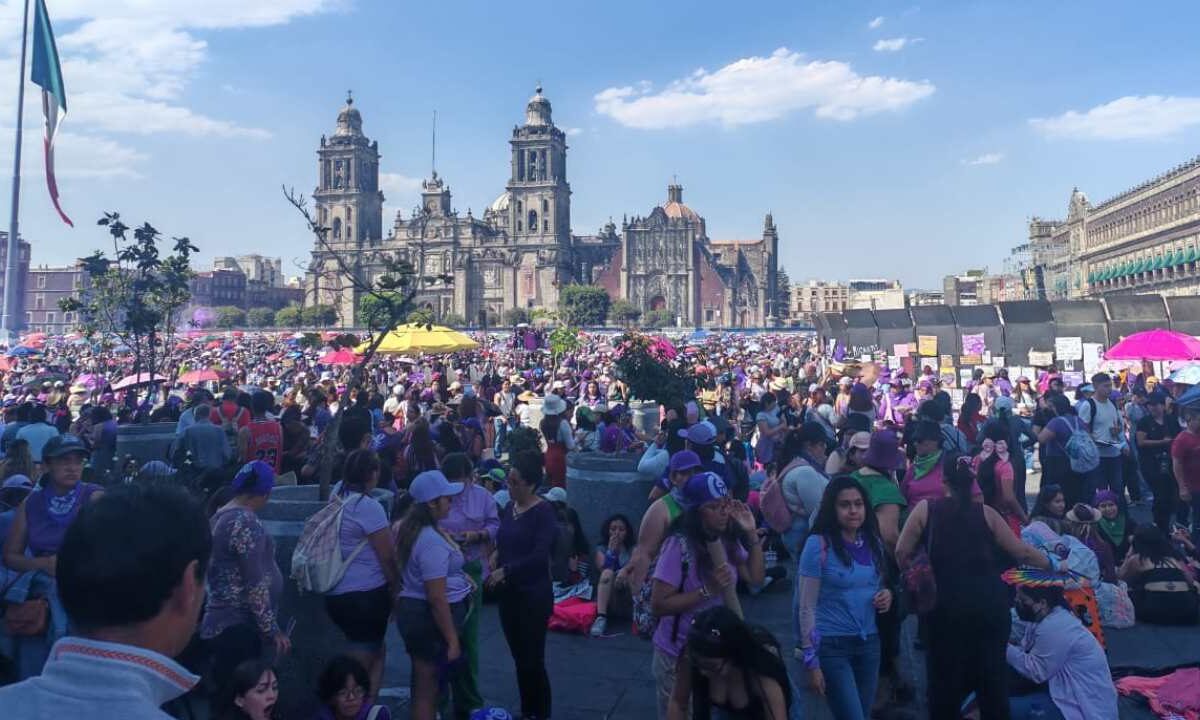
<point x="1020" y="705"/>
<point x="793" y="540"/>
<point x="1108" y="474"/>
<point x="501" y="426"/>
<point x="850" y="665"/>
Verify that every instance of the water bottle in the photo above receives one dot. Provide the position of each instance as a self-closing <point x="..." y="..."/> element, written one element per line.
<point x="1036" y="712"/>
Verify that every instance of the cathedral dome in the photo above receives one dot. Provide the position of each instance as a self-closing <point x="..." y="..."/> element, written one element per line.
<point x="499" y="206"/>
<point x="675" y="209"/>
<point x="349" y="120"/>
<point x="537" y="112"/>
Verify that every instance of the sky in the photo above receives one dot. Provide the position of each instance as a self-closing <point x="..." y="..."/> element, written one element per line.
<point x="888" y="139"/>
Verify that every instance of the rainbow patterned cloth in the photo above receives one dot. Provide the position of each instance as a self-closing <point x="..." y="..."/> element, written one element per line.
<point x="1033" y="577"/>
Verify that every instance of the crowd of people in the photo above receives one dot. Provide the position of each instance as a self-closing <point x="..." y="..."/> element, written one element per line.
<point x="879" y="495"/>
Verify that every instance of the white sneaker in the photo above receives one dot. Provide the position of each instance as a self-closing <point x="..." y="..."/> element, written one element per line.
<point x="599" y="626"/>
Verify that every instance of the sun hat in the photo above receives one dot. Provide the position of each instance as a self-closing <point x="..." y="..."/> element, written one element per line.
<point x="527" y="396"/>
<point x="702" y="433"/>
<point x="684" y="460"/>
<point x="883" y="451"/>
<point x="703" y="488"/>
<point x="846" y="380"/>
<point x="254" y="478"/>
<point x="61" y="445"/>
<point x="431" y="485"/>
<point x="556" y="494"/>
<point x="860" y="441"/>
<point x="554" y="405"/>
<point x="1083" y="514"/>
<point x="18" y="481"/>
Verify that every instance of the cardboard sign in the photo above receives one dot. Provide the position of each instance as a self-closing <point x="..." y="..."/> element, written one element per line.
<point x="1041" y="358"/>
<point x="970" y="360"/>
<point x="1068" y="348"/>
<point x="927" y="344"/>
<point x="900" y="349"/>
<point x="1091" y="358"/>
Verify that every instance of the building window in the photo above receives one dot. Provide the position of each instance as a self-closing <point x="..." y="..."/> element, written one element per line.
<point x="77" y="281"/>
<point x="50" y="318"/>
<point x="39" y="301"/>
<point x="708" y="315"/>
<point x="545" y="226"/>
<point x="41" y="281"/>
<point x="533" y="221"/>
<point x="28" y="317"/>
<point x="545" y="205"/>
<point x="337" y="228"/>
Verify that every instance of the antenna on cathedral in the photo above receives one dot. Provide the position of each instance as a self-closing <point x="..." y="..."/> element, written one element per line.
<point x="349" y="97"/>
<point x="434" y="163"/>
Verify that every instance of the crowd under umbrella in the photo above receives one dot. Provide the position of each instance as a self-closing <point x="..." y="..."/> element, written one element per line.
<point x="195" y="377"/>
<point x="339" y="357"/>
<point x="23" y="351"/>
<point x="418" y="338"/>
<point x="91" y="381"/>
<point x="130" y="381"/>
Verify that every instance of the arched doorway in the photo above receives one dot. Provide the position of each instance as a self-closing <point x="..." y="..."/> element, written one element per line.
<point x="658" y="302"/>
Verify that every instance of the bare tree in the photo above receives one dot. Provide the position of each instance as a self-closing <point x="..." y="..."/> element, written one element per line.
<point x="392" y="295"/>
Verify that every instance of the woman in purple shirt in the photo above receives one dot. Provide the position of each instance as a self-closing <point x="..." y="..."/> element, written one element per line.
<point x="361" y="603"/>
<point x="435" y="592"/>
<point x="472" y="522"/>
<point x="521" y="576"/>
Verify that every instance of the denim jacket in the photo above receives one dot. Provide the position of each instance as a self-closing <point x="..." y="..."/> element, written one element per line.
<point x="98" y="680"/>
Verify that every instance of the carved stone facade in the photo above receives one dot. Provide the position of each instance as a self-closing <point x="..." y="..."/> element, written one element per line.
<point x="521" y="252"/>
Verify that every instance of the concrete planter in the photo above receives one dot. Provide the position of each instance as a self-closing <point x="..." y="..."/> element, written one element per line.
<point x="145" y="442"/>
<point x="602" y="484"/>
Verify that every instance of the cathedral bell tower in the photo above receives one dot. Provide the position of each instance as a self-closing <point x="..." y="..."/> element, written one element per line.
<point x="347" y="199"/>
<point x="540" y="205"/>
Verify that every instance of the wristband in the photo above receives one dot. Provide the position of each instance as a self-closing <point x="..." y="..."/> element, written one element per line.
<point x="810" y="659"/>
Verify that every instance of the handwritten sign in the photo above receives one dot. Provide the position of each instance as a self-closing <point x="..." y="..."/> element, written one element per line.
<point x="927" y="344"/>
<point x="1068" y="348"/>
<point x="1041" y="358"/>
<point x="974" y="344"/>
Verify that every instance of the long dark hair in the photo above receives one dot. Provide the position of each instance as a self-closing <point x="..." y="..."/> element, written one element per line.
<point x="333" y="678"/>
<point x="1150" y="544"/>
<point x="959" y="477"/>
<point x="825" y="524"/>
<point x="986" y="476"/>
<point x="358" y="468"/>
<point x="719" y="633"/>
<point x="607" y="525"/>
<point x="690" y="525"/>
<point x="1041" y="506"/>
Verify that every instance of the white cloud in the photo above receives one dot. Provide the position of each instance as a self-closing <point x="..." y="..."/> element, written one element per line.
<point x="985" y="159"/>
<point x="399" y="191"/>
<point x="1133" y="117"/>
<point x="127" y="63"/>
<point x="758" y="89"/>
<point x="574" y="131"/>
<point x="876" y="23"/>
<point x="75" y="156"/>
<point x="894" y="44"/>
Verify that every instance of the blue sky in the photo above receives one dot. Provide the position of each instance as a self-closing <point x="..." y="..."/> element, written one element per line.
<point x="888" y="139"/>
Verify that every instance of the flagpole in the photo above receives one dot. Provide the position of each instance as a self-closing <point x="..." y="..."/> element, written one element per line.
<point x="7" y="323"/>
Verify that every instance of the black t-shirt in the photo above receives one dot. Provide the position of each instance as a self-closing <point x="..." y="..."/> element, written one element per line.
<point x="1168" y="428"/>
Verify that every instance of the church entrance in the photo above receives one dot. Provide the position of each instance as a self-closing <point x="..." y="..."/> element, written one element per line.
<point x="658" y="302"/>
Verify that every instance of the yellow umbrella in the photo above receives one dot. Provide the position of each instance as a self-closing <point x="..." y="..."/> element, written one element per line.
<point x="419" y="339"/>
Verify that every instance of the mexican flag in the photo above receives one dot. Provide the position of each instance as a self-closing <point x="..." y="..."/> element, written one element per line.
<point x="47" y="74"/>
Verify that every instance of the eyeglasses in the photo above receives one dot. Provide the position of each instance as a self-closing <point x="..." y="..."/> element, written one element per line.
<point x="355" y="693"/>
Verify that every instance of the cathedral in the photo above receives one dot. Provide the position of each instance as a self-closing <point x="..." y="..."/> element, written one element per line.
<point x="521" y="252"/>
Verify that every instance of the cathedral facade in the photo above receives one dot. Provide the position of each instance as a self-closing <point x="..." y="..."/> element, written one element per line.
<point x="521" y="252"/>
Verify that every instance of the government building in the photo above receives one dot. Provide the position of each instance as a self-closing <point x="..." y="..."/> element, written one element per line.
<point x="522" y="250"/>
<point x="1144" y="240"/>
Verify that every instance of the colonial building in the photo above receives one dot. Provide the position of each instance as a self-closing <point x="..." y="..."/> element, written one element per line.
<point x="44" y="288"/>
<point x="1144" y="240"/>
<point x="819" y="296"/>
<point x="521" y="251"/>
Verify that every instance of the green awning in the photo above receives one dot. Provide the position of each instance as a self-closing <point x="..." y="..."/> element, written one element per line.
<point x="1159" y="263"/>
<point x="1143" y="265"/>
<point x="1172" y="259"/>
<point x="1092" y="277"/>
<point x="1126" y="269"/>
<point x="1191" y="254"/>
<point x="1106" y="273"/>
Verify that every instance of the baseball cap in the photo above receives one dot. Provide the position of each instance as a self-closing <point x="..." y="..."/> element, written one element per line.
<point x="556" y="494"/>
<point x="684" y="460"/>
<point x="63" y="445"/>
<point x="431" y="485"/>
<point x="254" y="478"/>
<point x="703" y="488"/>
<point x="860" y="440"/>
<point x="18" y="481"/>
<point x="702" y="433"/>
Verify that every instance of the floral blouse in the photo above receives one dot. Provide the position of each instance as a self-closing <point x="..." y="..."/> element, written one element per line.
<point x="244" y="582"/>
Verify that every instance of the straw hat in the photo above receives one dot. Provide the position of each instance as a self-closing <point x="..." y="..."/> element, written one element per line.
<point x="554" y="405"/>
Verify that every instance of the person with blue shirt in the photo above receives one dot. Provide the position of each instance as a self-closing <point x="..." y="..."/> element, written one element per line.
<point x="841" y="591"/>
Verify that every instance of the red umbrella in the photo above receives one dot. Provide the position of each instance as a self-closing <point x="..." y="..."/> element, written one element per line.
<point x="339" y="357"/>
<point x="199" y="376"/>
<point x="182" y="345"/>
<point x="214" y="345"/>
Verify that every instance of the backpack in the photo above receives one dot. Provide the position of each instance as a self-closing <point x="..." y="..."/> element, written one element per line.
<point x="772" y="503"/>
<point x="317" y="563"/>
<point x="644" y="621"/>
<point x="1081" y="450"/>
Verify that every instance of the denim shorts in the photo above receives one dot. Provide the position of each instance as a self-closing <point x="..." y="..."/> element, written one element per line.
<point x="422" y="638"/>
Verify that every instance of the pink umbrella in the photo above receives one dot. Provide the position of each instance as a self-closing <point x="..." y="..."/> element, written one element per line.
<point x="134" y="380"/>
<point x="339" y="357"/>
<point x="199" y="376"/>
<point x="1156" y="344"/>
<point x="91" y="381"/>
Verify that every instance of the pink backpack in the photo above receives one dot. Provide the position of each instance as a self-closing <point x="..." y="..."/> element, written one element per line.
<point x="772" y="503"/>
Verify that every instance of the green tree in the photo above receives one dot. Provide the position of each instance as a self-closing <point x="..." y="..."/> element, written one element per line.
<point x="229" y="317"/>
<point x="515" y="316"/>
<point x="583" y="305"/>
<point x="375" y="313"/>
<point x="319" y="315"/>
<point x="138" y="293"/>
<point x="260" y="317"/>
<point x="289" y="316"/>
<point x="625" y="312"/>
<point x="659" y="319"/>
<point x="420" y="316"/>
